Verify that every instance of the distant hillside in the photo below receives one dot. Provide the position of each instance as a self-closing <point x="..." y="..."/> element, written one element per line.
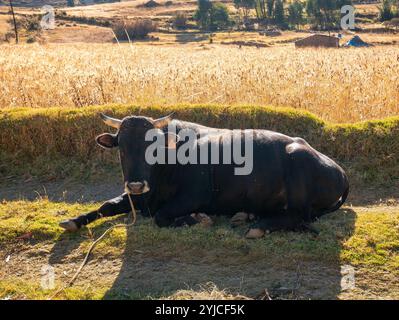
<point x="55" y="3"/>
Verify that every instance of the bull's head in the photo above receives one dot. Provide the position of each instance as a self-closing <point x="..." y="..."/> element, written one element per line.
<point x="130" y="138"/>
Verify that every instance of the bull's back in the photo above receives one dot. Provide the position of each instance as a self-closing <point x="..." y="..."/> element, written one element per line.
<point x="263" y="188"/>
<point x="276" y="159"/>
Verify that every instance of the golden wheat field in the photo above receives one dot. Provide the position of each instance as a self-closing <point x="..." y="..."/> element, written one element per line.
<point x="339" y="85"/>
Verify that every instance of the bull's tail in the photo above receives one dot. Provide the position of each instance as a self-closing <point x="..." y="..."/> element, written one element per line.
<point x="341" y="201"/>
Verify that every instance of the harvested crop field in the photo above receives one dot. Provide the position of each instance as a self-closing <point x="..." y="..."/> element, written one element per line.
<point x="337" y="85"/>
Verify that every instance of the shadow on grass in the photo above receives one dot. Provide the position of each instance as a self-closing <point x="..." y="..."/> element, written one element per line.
<point x="361" y="194"/>
<point x="283" y="264"/>
<point x="68" y="242"/>
<point x="63" y="190"/>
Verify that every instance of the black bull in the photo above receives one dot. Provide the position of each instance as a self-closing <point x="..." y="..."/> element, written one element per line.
<point x="291" y="183"/>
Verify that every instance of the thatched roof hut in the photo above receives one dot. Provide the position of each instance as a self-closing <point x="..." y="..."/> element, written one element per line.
<point x="318" y="40"/>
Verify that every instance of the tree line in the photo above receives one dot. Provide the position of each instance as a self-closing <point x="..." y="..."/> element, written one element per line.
<point x="319" y="14"/>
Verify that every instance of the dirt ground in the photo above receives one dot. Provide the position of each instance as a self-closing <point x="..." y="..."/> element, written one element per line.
<point x="151" y="277"/>
<point x="129" y="271"/>
<point x="72" y="33"/>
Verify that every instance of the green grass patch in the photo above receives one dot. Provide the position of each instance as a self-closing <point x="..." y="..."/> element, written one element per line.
<point x="38" y="218"/>
<point x="366" y="238"/>
<point x="377" y="240"/>
<point x="17" y="289"/>
<point x="356" y="236"/>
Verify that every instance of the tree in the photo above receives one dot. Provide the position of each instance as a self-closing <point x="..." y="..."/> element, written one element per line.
<point x="314" y="14"/>
<point x="219" y="16"/>
<point x="325" y="14"/>
<point x="295" y="14"/>
<point x="212" y="16"/>
<point x="245" y="6"/>
<point x="265" y="10"/>
<point x="14" y="22"/>
<point x="270" y="6"/>
<point x="278" y="15"/>
<point x="202" y="14"/>
<point x="260" y="8"/>
<point x="386" y="11"/>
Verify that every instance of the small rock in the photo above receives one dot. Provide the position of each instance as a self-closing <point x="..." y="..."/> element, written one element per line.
<point x="255" y="234"/>
<point x="239" y="218"/>
<point x="25" y="236"/>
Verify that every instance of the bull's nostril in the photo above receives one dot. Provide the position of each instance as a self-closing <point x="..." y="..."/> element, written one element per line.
<point x="127" y="186"/>
<point x="136" y="187"/>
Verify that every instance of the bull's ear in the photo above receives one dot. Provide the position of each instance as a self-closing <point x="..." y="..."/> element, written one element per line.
<point x="171" y="140"/>
<point x="107" y="140"/>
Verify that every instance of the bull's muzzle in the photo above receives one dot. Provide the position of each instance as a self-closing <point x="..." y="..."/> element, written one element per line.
<point x="137" y="187"/>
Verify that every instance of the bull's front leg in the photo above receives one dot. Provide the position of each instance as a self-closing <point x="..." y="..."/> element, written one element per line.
<point x="118" y="205"/>
<point x="177" y="212"/>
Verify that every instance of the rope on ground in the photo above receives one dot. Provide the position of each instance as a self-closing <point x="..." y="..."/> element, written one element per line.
<point x="86" y="258"/>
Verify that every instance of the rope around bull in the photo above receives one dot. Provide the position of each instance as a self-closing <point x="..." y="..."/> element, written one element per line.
<point x="86" y="258"/>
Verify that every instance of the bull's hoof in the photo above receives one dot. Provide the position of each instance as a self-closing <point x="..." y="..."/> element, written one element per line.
<point x="69" y="225"/>
<point x="203" y="219"/>
<point x="255" y="233"/>
<point x="239" y="218"/>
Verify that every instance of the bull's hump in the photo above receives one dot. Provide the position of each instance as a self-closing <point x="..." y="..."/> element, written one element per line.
<point x="211" y="130"/>
<point x="189" y="125"/>
<point x="217" y="134"/>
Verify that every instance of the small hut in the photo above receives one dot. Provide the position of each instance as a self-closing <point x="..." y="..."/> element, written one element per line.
<point x="318" y="40"/>
<point x="356" y="41"/>
<point x="151" y="4"/>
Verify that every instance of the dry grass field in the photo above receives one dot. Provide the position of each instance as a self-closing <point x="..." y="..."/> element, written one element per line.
<point x="134" y="8"/>
<point x="4" y="26"/>
<point x="343" y="85"/>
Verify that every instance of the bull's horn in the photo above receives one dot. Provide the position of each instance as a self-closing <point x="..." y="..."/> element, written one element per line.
<point x="162" y="122"/>
<point x="112" y="122"/>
